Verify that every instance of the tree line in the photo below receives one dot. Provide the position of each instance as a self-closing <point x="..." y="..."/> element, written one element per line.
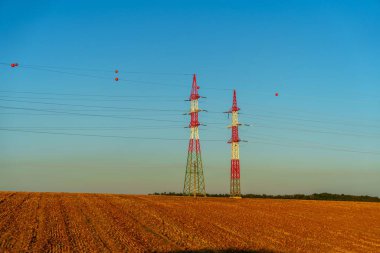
<point x="314" y="196"/>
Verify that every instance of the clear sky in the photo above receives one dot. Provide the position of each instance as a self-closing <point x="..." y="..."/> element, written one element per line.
<point x="64" y="120"/>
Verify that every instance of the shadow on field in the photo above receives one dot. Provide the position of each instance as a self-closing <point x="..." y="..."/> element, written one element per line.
<point x="223" y="251"/>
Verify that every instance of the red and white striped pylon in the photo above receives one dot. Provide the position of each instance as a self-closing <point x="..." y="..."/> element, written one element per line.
<point x="194" y="179"/>
<point x="235" y="159"/>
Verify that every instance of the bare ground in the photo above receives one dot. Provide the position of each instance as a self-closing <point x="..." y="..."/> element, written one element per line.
<point x="67" y="222"/>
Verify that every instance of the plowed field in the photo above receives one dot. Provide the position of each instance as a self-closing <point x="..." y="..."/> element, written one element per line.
<point x="64" y="222"/>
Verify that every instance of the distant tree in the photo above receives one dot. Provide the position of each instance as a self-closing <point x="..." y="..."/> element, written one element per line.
<point x="314" y="196"/>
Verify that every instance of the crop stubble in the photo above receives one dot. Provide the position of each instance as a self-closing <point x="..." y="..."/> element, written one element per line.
<point x="62" y="222"/>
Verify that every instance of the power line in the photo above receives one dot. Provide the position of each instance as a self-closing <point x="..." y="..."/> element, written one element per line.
<point x="179" y="139"/>
<point x="103" y="136"/>
<point x="137" y="98"/>
<point x="92" y="106"/>
<point x="314" y="147"/>
<point x="147" y="113"/>
<point x="111" y="78"/>
<point x="142" y="96"/>
<point x="322" y="131"/>
<point x="84" y="95"/>
<point x="100" y="70"/>
<point x="213" y="112"/>
<point x="95" y="115"/>
<point x="297" y="141"/>
<point x="61" y="70"/>
<point x="150" y="109"/>
<point x="94" y="128"/>
<point x="309" y="120"/>
<point x="318" y="131"/>
<point x="85" y="114"/>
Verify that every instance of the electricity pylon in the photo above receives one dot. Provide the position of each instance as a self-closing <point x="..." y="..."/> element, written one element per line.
<point x="194" y="179"/>
<point x="235" y="158"/>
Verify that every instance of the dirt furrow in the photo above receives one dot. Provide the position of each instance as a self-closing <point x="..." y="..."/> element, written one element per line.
<point x="17" y="231"/>
<point x="8" y="213"/>
<point x="132" y="228"/>
<point x="6" y="197"/>
<point x="51" y="232"/>
<point x="108" y="228"/>
<point x="37" y="220"/>
<point x="59" y="222"/>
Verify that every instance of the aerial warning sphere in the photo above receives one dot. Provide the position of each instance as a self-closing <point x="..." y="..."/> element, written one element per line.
<point x="13" y="65"/>
<point x="116" y="79"/>
<point x="16" y="64"/>
<point x="116" y="71"/>
<point x="276" y="94"/>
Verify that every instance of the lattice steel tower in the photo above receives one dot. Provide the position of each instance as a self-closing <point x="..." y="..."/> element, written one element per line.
<point x="194" y="179"/>
<point x="235" y="159"/>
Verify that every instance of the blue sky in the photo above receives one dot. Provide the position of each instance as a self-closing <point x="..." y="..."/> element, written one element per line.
<point x="321" y="134"/>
